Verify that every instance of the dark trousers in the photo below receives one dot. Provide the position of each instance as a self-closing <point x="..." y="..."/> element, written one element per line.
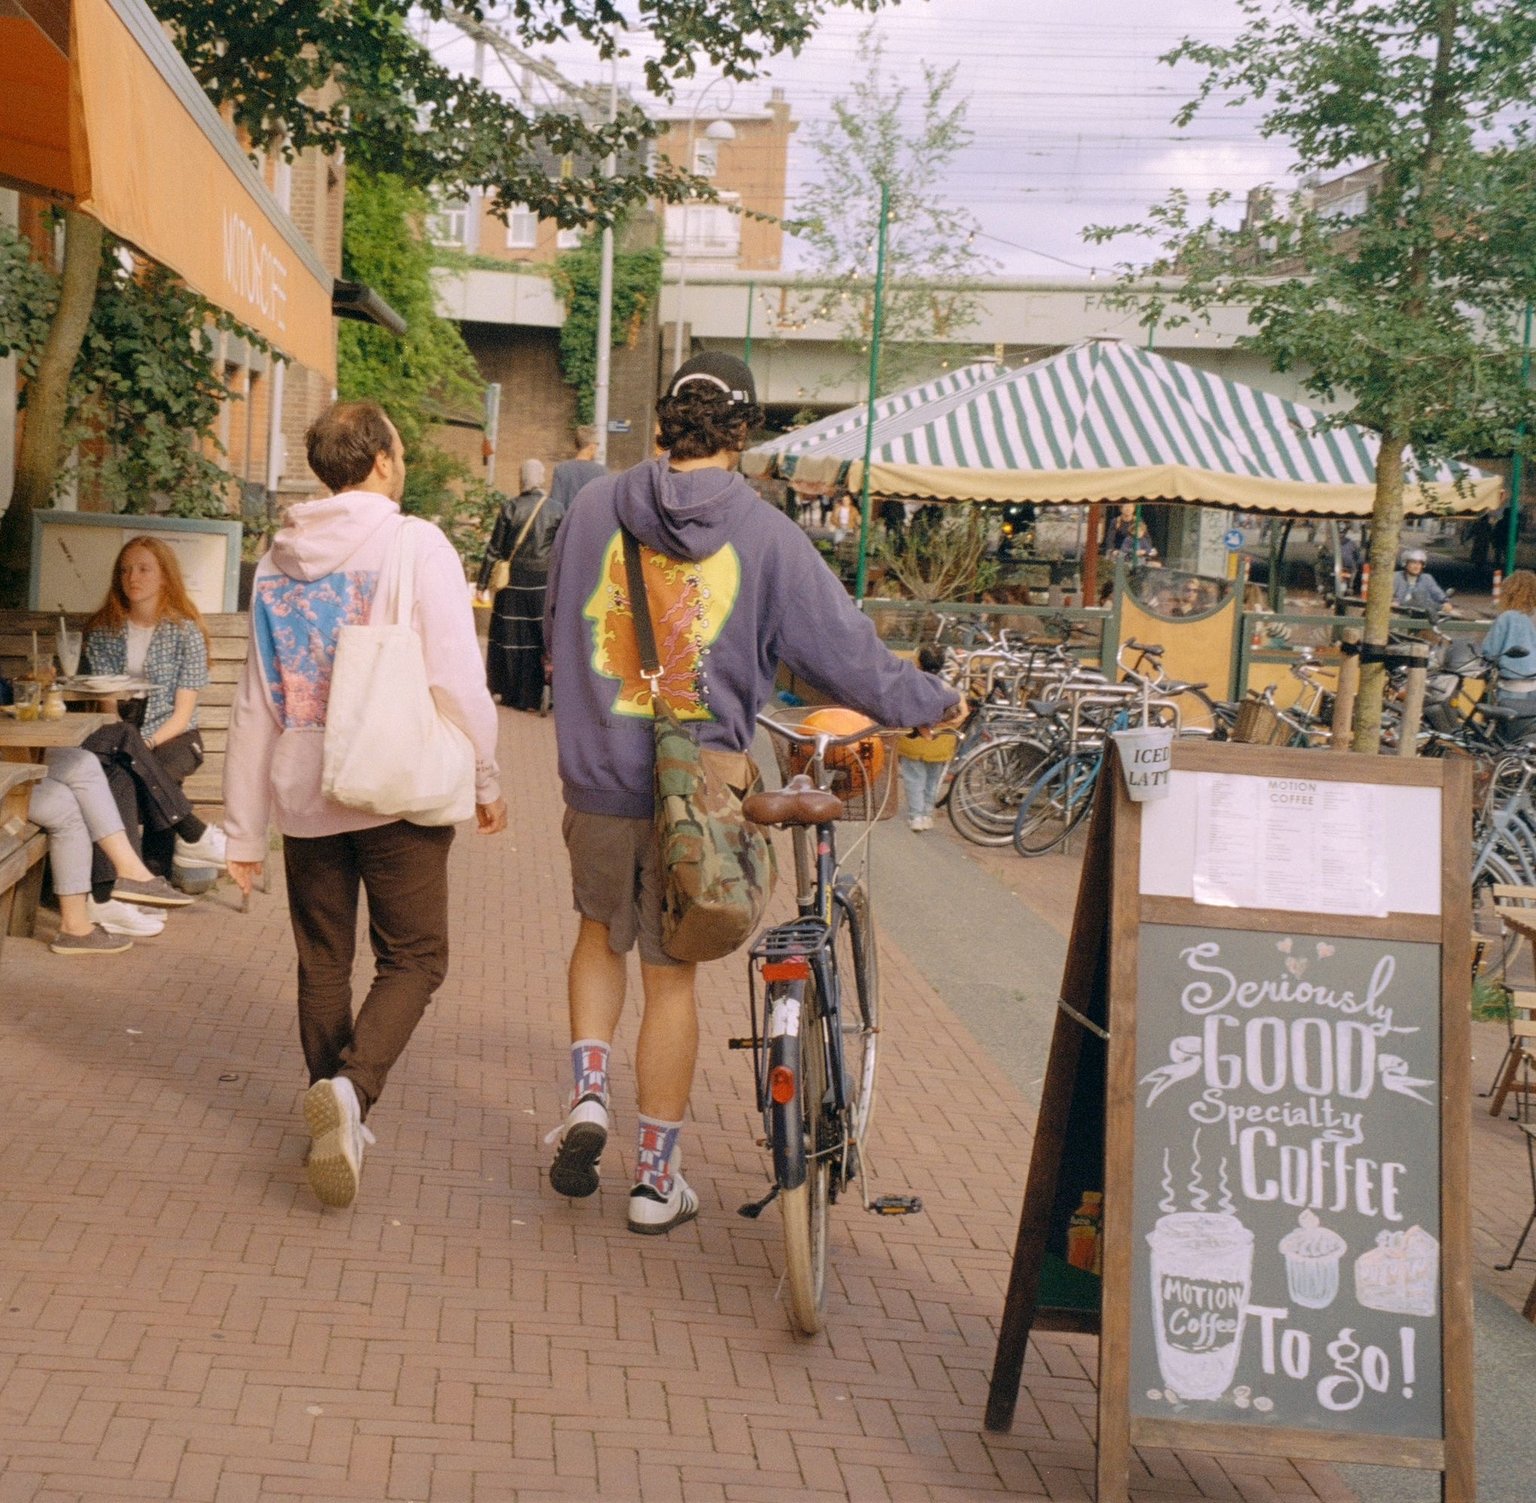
<point x="146" y="787"/>
<point x="403" y="869"/>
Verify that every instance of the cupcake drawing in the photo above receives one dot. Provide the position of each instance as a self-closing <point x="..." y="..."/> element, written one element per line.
<point x="1312" y="1254"/>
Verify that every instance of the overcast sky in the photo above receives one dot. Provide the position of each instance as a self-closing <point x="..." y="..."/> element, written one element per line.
<point x="1069" y="107"/>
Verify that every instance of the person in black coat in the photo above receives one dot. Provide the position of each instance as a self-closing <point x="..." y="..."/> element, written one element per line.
<point x="523" y="537"/>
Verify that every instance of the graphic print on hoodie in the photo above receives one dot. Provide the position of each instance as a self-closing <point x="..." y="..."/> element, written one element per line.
<point x="294" y="626"/>
<point x="690" y="602"/>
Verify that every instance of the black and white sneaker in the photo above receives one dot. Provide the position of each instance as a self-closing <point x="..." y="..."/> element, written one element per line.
<point x="652" y="1214"/>
<point x="582" y="1136"/>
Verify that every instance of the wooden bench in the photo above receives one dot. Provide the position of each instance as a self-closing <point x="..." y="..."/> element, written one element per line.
<point x="229" y="637"/>
<point x="22" y="848"/>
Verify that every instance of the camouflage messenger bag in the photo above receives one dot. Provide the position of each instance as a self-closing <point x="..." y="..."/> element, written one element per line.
<point x="717" y="866"/>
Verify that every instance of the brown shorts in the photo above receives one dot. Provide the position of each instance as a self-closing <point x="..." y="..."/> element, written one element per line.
<point x="616" y="880"/>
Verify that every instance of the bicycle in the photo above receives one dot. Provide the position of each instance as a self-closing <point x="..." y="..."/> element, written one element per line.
<point x="814" y="1054"/>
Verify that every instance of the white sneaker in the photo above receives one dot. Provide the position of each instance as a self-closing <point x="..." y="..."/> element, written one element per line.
<point x="915" y="824"/>
<point x="117" y="917"/>
<point x="338" y="1140"/>
<point x="927" y="821"/>
<point x="209" y="849"/>
<point x="582" y="1137"/>
<point x="651" y="1214"/>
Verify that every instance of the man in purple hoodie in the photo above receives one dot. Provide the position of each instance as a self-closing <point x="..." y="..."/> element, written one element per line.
<point x="735" y="589"/>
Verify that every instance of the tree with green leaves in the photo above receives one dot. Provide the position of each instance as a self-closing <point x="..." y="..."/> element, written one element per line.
<point x="883" y="132"/>
<point x="1408" y="310"/>
<point x="354" y="78"/>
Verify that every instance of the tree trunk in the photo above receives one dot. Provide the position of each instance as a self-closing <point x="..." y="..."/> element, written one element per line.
<point x="42" y="434"/>
<point x="1386" y="528"/>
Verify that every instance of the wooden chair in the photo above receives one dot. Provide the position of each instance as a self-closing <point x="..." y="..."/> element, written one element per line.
<point x="1516" y="907"/>
<point x="1530" y="1221"/>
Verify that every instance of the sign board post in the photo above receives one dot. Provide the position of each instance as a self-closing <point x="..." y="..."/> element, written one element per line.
<point x="1265" y="1008"/>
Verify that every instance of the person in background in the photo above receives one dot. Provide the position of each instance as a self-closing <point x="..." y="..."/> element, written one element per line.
<point x="1414" y="588"/>
<point x="893" y="517"/>
<point x="323" y="573"/>
<point x="572" y="474"/>
<point x="523" y="536"/>
<point x="735" y="589"/>
<point x="148" y="627"/>
<point x="845" y="518"/>
<point x="924" y="758"/>
<point x="75" y="806"/>
<point x="1514" y="628"/>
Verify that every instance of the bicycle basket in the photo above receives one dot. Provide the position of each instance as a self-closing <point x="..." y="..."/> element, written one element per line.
<point x="862" y="775"/>
<point x="1258" y="723"/>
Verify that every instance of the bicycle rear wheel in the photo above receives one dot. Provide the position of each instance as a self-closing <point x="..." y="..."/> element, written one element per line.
<point x="988" y="787"/>
<point x="1057" y="803"/>
<point x="803" y="1200"/>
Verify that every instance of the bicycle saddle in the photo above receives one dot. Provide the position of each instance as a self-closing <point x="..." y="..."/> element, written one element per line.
<point x="798" y="802"/>
<point x="1174" y="687"/>
<point x="1500" y="712"/>
<point x="1045" y="707"/>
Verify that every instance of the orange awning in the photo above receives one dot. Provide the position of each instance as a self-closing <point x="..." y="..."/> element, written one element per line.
<point x="98" y="110"/>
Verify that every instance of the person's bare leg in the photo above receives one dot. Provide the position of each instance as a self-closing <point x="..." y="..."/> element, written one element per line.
<point x="119" y="850"/>
<point x="669" y="1041"/>
<point x="595" y="984"/>
<point x="73" y="919"/>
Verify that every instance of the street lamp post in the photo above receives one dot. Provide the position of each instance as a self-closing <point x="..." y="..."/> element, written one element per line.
<point x="719" y="130"/>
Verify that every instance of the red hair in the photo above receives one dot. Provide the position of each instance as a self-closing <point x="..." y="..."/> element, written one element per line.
<point x="174" y="604"/>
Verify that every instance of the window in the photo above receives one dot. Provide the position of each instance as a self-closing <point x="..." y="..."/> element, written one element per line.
<point x="706" y="157"/>
<point x="522" y="228"/>
<point x="568" y="239"/>
<point x="448" y="223"/>
<point x="710" y="231"/>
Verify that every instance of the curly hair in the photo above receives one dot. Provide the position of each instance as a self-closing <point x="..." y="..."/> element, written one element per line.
<point x="1519" y="592"/>
<point x="698" y="423"/>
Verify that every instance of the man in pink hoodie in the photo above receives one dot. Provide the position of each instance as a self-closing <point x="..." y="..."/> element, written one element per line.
<point x="323" y="573"/>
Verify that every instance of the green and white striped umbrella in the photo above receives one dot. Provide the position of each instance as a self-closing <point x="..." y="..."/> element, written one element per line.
<point x="1104" y="421"/>
<point x="840" y="438"/>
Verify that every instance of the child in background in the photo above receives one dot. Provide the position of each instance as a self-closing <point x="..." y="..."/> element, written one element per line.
<point x="923" y="758"/>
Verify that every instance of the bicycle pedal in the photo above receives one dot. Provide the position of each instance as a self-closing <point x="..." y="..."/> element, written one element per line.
<point x="896" y="1205"/>
<point x="756" y="1208"/>
<point x="741" y="1043"/>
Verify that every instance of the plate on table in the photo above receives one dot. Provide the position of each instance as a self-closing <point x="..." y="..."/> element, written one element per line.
<point x="102" y="683"/>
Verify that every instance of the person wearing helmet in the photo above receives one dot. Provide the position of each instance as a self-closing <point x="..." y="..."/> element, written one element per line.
<point x="1414" y="588"/>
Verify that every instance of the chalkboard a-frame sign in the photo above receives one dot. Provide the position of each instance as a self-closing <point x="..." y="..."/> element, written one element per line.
<point x="1249" y="1172"/>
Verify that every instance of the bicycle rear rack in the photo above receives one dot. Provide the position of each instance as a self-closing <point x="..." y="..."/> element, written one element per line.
<point x="800" y="939"/>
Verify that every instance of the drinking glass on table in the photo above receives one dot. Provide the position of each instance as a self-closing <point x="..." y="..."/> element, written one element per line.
<point x="69" y="652"/>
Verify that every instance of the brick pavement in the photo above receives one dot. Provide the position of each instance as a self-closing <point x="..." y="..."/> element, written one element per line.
<point x="180" y="1320"/>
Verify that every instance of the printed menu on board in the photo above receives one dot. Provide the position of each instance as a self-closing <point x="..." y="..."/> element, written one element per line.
<point x="1291" y="843"/>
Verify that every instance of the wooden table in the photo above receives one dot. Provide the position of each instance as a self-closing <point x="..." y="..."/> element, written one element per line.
<point x="27" y="740"/>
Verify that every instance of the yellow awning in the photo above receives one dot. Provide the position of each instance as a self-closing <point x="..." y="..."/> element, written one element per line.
<point x="98" y="110"/>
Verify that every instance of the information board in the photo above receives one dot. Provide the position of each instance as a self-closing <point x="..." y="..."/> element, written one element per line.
<point x="1265" y="1006"/>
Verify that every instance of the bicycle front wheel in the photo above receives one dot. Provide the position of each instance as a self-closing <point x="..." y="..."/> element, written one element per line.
<point x="1056" y="804"/>
<point x="988" y="787"/>
<point x="858" y="970"/>
<point x="804" y="1188"/>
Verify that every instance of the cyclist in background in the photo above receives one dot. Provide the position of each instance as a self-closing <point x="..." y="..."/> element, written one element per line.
<point x="735" y="589"/>
<point x="1413" y="588"/>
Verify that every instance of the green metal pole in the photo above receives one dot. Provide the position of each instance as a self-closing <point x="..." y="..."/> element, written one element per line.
<point x="1517" y="463"/>
<point x="877" y="322"/>
<point x="746" y="353"/>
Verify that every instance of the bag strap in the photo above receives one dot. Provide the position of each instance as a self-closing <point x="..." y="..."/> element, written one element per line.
<point x="533" y="517"/>
<point x="405" y="572"/>
<point x="640" y="610"/>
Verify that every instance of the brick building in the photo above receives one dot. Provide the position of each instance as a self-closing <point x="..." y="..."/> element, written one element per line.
<point x="506" y="308"/>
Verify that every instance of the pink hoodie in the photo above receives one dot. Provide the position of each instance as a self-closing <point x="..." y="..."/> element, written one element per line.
<point x="321" y="574"/>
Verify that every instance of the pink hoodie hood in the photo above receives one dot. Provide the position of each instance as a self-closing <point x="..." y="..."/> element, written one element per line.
<point x="321" y="537"/>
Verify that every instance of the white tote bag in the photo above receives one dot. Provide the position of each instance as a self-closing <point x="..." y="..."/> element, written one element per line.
<point x="388" y="749"/>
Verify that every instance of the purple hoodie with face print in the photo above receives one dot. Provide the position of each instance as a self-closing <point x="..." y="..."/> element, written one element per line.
<point x="735" y="589"/>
